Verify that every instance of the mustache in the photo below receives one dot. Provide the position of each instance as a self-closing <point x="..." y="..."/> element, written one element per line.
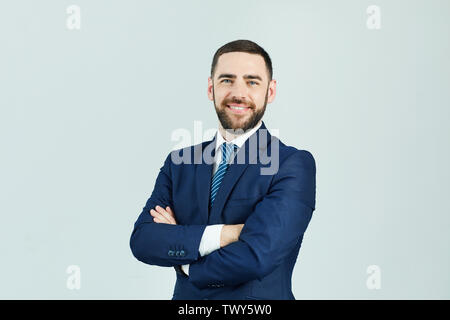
<point x="249" y="104"/>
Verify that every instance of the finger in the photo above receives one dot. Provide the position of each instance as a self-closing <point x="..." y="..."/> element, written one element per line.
<point x="170" y="216"/>
<point x="171" y="213"/>
<point x="159" y="216"/>
<point x="157" y="220"/>
<point x="166" y="215"/>
<point x="155" y="213"/>
<point x="163" y="213"/>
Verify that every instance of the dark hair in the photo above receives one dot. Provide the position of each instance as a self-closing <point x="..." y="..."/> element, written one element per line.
<point x="242" y="46"/>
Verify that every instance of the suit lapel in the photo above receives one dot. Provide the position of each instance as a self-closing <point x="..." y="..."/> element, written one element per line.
<point x="247" y="154"/>
<point x="203" y="160"/>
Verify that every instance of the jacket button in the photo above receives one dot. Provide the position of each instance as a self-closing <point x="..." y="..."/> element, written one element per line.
<point x="177" y="253"/>
<point x="170" y="253"/>
<point x="182" y="253"/>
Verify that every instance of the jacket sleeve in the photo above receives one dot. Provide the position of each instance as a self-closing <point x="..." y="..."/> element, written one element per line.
<point x="162" y="244"/>
<point x="271" y="231"/>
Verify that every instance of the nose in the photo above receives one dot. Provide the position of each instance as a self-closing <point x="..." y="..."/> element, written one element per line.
<point x="239" y="90"/>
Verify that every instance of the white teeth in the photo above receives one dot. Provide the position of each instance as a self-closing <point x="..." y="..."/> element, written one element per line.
<point x="236" y="108"/>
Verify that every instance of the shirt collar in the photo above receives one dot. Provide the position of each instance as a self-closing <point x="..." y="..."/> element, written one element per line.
<point x="240" y="140"/>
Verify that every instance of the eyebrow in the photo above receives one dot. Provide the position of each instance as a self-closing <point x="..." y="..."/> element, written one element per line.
<point x="233" y="76"/>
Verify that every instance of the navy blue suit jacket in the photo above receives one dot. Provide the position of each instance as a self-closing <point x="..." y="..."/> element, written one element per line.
<point x="275" y="208"/>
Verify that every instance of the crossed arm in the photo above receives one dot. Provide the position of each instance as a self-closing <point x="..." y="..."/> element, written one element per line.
<point x="155" y="241"/>
<point x="270" y="233"/>
<point x="229" y="233"/>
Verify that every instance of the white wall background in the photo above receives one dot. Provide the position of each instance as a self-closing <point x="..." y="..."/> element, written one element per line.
<point x="86" y="118"/>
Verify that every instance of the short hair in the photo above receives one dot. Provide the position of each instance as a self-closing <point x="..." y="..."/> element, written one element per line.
<point x="243" y="46"/>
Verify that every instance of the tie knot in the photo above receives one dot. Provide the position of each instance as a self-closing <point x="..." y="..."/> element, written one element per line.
<point x="227" y="150"/>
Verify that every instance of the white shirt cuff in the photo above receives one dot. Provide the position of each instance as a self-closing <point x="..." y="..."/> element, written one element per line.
<point x="185" y="268"/>
<point x="210" y="239"/>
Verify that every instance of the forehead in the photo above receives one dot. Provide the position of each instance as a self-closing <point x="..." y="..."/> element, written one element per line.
<point x="240" y="63"/>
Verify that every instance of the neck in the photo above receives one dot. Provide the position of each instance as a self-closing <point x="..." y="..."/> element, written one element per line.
<point x="231" y="134"/>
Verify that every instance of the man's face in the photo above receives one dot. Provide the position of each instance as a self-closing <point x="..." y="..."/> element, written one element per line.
<point x="240" y="90"/>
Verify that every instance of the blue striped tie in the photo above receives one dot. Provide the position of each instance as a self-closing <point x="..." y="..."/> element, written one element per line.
<point x="221" y="170"/>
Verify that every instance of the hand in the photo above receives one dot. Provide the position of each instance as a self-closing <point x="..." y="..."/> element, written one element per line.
<point x="230" y="233"/>
<point x="163" y="216"/>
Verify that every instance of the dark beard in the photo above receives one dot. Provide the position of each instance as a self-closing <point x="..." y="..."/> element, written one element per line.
<point x="227" y="122"/>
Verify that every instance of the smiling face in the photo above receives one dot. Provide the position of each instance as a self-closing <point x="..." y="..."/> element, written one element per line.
<point x="240" y="90"/>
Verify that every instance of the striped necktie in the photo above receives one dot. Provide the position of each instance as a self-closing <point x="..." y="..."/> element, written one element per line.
<point x="227" y="149"/>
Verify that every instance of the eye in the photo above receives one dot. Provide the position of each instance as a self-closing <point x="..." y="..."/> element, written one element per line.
<point x="253" y="82"/>
<point x="226" y="80"/>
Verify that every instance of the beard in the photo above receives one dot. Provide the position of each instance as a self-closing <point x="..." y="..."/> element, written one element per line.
<point x="228" y="122"/>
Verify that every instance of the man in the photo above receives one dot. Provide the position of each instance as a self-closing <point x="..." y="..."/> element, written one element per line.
<point x="231" y="225"/>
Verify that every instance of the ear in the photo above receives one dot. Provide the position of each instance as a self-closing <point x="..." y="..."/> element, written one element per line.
<point x="272" y="90"/>
<point x="210" y="89"/>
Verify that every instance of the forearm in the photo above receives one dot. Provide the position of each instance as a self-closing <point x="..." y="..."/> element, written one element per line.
<point x="231" y="265"/>
<point x="256" y="254"/>
<point x="230" y="234"/>
<point x="164" y="244"/>
<point x="216" y="237"/>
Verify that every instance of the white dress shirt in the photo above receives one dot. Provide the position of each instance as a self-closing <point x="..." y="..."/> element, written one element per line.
<point x="211" y="236"/>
